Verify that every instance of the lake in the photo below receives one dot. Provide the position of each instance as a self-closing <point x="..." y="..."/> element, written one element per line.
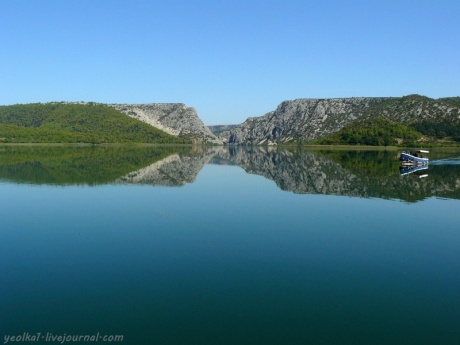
<point x="193" y="245"/>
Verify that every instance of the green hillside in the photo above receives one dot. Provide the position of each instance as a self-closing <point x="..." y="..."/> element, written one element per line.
<point x="70" y="123"/>
<point x="373" y="132"/>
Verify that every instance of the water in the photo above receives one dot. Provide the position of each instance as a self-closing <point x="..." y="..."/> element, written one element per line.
<point x="229" y="246"/>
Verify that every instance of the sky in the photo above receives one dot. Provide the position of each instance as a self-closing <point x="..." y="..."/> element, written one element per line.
<point x="230" y="60"/>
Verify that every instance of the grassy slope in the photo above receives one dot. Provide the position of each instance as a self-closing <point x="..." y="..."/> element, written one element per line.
<point x="63" y="122"/>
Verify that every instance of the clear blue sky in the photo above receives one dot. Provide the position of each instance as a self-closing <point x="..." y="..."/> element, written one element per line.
<point x="228" y="59"/>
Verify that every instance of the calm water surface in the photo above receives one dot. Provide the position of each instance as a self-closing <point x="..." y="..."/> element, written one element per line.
<point x="229" y="246"/>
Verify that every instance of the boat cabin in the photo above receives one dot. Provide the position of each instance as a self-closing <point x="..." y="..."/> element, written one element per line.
<point x="419" y="153"/>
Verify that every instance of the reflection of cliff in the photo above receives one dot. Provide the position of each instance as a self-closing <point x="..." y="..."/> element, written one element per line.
<point x="174" y="170"/>
<point x="304" y="174"/>
<point x="77" y="165"/>
<point x="372" y="174"/>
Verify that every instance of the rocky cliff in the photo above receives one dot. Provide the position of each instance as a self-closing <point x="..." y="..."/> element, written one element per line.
<point x="307" y="119"/>
<point x="304" y="119"/>
<point x="173" y="118"/>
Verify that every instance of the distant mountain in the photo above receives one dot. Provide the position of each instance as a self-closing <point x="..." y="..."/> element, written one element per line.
<point x="76" y="122"/>
<point x="308" y="119"/>
<point x="174" y="118"/>
<point x="221" y="129"/>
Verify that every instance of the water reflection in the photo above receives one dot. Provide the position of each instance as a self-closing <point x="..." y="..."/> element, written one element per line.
<point x="370" y="174"/>
<point x="93" y="165"/>
<point x="417" y="170"/>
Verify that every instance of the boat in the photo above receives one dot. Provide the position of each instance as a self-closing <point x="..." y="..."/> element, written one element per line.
<point x="414" y="157"/>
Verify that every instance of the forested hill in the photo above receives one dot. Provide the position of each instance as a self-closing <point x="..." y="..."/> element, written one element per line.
<point x="373" y="132"/>
<point x="76" y="122"/>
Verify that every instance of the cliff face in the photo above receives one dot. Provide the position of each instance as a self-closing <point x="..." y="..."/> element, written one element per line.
<point x="304" y="119"/>
<point x="307" y="119"/>
<point x="173" y="118"/>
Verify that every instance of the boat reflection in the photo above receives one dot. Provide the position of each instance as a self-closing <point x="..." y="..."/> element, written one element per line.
<point x="419" y="171"/>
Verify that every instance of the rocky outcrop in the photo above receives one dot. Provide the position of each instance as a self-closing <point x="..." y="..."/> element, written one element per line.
<point x="173" y="118"/>
<point x="302" y="120"/>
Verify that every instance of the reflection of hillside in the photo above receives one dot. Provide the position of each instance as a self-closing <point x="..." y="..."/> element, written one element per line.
<point x="372" y="174"/>
<point x="174" y="170"/>
<point x="68" y="165"/>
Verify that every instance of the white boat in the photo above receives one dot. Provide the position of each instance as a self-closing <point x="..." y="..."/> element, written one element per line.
<point x="415" y="157"/>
